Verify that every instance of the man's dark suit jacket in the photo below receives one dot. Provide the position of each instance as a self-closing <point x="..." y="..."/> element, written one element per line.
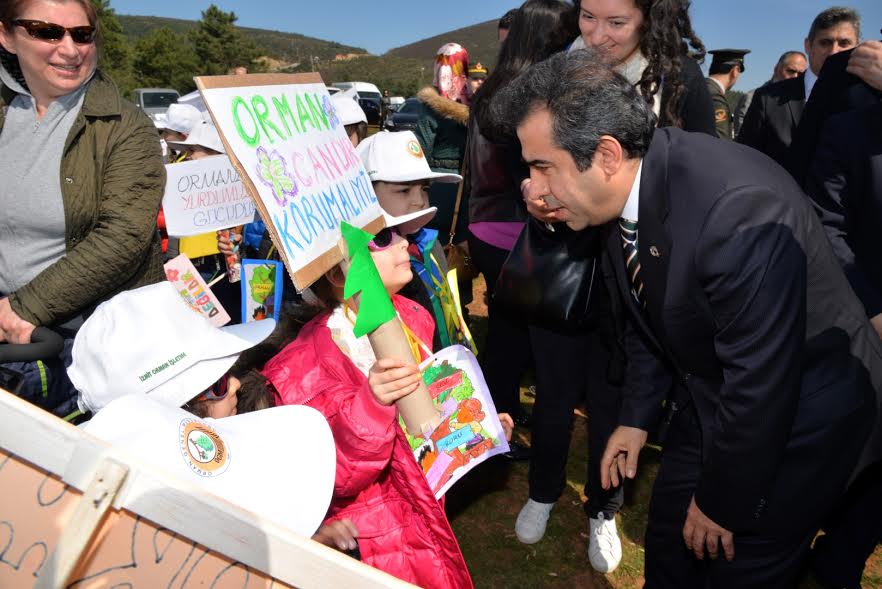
<point x="773" y="116"/>
<point x="746" y="305"/>
<point x="845" y="183"/>
<point x="835" y="91"/>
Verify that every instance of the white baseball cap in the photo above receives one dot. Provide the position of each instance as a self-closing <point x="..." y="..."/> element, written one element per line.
<point x="348" y="109"/>
<point x="203" y="134"/>
<point x="411" y="222"/>
<point x="397" y="157"/>
<point x="150" y="341"/>
<point x="278" y="463"/>
<point x="181" y="118"/>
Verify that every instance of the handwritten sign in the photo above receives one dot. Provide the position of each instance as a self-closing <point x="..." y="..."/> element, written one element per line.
<point x="261" y="289"/>
<point x="204" y="195"/>
<point x="469" y="432"/>
<point x="187" y="281"/>
<point x="284" y="136"/>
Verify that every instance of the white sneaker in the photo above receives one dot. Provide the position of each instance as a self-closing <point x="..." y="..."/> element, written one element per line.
<point x="604" y="546"/>
<point x="532" y="520"/>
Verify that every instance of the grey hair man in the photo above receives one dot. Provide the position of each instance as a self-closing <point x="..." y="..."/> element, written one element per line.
<point x="736" y="322"/>
<point x="790" y="65"/>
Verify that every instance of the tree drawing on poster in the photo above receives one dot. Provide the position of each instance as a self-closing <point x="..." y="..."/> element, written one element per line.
<point x="284" y="136"/>
<point x="469" y="432"/>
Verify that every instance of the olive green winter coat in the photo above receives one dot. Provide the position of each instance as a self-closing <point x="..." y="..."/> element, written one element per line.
<point x="112" y="181"/>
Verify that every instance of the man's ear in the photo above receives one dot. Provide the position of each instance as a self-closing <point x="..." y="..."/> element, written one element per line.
<point x="336" y="277"/>
<point x="807" y="46"/>
<point x="6" y="38"/>
<point x="609" y="155"/>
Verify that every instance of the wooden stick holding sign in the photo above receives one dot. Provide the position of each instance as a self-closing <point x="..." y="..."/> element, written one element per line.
<point x="282" y="134"/>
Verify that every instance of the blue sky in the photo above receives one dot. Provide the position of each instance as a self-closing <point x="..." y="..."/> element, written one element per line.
<point x="767" y="27"/>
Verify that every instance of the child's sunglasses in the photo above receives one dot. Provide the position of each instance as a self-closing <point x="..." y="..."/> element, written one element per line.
<point x="383" y="239"/>
<point x="53" y="33"/>
<point x="217" y="391"/>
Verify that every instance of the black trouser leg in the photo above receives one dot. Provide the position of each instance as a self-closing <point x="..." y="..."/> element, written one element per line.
<point x="560" y="383"/>
<point x="506" y="354"/>
<point x="852" y="533"/>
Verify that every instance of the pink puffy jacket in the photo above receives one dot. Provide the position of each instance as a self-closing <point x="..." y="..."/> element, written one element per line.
<point x="402" y="528"/>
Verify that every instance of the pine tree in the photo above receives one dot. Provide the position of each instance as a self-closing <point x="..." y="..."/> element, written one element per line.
<point x="115" y="57"/>
<point x="220" y="46"/>
<point x="165" y="59"/>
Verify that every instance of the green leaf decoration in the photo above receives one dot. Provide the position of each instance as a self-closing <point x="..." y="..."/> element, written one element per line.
<point x="375" y="307"/>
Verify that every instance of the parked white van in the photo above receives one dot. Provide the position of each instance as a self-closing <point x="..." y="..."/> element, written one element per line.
<point x="362" y="89"/>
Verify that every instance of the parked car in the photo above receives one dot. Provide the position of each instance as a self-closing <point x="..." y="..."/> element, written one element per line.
<point x="393" y="103"/>
<point x="362" y="89"/>
<point x="332" y="90"/>
<point x="154" y="101"/>
<point x="405" y="118"/>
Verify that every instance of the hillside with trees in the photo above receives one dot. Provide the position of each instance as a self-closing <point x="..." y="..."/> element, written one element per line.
<point x="152" y="51"/>
<point x="480" y="40"/>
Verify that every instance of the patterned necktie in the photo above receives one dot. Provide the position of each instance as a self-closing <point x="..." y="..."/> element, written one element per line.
<point x="628" y="231"/>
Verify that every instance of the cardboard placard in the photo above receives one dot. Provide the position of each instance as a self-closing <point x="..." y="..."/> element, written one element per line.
<point x="193" y="289"/>
<point x="261" y="289"/>
<point x="283" y="136"/>
<point x="158" y="532"/>
<point x="204" y="195"/>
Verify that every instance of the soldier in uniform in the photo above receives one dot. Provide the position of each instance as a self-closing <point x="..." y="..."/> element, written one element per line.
<point x="725" y="68"/>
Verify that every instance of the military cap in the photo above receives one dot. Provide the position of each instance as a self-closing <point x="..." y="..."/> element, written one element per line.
<point x="729" y="57"/>
<point x="478" y="71"/>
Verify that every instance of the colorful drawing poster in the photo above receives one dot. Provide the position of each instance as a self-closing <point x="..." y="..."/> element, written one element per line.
<point x="286" y="140"/>
<point x="469" y="432"/>
<point x="261" y="289"/>
<point x="204" y="195"/>
<point x="181" y="272"/>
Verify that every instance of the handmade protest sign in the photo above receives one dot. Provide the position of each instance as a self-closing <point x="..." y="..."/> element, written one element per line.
<point x="204" y="195"/>
<point x="261" y="289"/>
<point x="193" y="289"/>
<point x="469" y="432"/>
<point x="284" y="137"/>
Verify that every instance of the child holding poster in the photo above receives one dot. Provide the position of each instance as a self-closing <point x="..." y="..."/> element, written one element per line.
<point x="401" y="178"/>
<point x="379" y="486"/>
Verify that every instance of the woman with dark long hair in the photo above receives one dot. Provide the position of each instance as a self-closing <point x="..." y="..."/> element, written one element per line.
<point x="539" y="29"/>
<point x="652" y="44"/>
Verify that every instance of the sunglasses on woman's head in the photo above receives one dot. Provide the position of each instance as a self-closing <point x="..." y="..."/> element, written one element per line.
<point x="217" y="391"/>
<point x="383" y="239"/>
<point x="53" y="33"/>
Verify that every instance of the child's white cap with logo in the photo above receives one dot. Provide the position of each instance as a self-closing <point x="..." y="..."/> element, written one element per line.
<point x="278" y="463"/>
<point x="149" y="340"/>
<point x="398" y="157"/>
<point x="348" y="109"/>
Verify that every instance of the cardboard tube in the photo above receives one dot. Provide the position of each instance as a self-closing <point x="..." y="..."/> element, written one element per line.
<point x="417" y="410"/>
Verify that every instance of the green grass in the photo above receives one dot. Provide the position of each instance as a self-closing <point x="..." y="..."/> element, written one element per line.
<point x="483" y="507"/>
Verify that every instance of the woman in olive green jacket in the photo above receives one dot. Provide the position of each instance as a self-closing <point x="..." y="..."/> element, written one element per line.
<point x="82" y="174"/>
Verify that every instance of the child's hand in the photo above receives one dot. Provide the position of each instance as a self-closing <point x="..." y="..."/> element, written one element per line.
<point x="226" y="241"/>
<point x="340" y="534"/>
<point x="507" y="425"/>
<point x="391" y="379"/>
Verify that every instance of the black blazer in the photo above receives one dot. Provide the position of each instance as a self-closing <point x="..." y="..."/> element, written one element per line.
<point x="835" y="91"/>
<point x="845" y="183"/>
<point x="773" y="116"/>
<point x="748" y="308"/>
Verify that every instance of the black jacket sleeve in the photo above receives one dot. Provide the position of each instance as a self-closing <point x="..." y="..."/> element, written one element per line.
<point x="697" y="107"/>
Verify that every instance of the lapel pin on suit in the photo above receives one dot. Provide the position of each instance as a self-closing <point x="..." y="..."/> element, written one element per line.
<point x="654" y="251"/>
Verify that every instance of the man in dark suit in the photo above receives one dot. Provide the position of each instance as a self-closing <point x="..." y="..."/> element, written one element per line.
<point x="777" y="108"/>
<point x="849" y="80"/>
<point x="845" y="183"/>
<point x="733" y="293"/>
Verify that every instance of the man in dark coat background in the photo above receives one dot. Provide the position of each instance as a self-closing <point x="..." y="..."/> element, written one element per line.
<point x="733" y="293"/>
<point x="777" y="108"/>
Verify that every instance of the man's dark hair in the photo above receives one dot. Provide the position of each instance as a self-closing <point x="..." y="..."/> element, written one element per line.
<point x="832" y="17"/>
<point x="787" y="55"/>
<point x="721" y="68"/>
<point x="507" y="19"/>
<point x="586" y="100"/>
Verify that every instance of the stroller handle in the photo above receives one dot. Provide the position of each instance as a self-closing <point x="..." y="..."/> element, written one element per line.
<point x="45" y="344"/>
